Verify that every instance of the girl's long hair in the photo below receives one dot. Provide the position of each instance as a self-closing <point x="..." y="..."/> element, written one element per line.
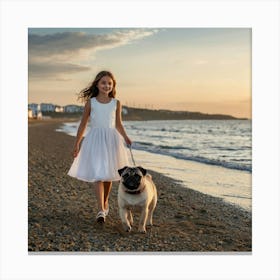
<point x="92" y="90"/>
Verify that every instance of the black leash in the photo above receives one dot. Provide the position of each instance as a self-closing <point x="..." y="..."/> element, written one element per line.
<point x="130" y="149"/>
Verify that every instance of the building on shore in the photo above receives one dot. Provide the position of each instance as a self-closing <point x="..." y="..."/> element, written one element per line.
<point x="30" y="114"/>
<point x="73" y="109"/>
<point x="47" y="107"/>
<point x="34" y="111"/>
<point x="37" y="110"/>
<point x="59" y="109"/>
<point x="34" y="108"/>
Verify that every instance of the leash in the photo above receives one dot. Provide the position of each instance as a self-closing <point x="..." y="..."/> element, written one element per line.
<point x="142" y="189"/>
<point x="130" y="149"/>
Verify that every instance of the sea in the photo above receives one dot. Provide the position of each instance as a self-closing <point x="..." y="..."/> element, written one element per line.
<point x="173" y="147"/>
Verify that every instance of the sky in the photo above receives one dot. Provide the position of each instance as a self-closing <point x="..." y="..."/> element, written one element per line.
<point x="183" y="69"/>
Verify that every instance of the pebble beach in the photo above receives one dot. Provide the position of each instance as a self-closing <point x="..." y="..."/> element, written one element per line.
<point x="62" y="210"/>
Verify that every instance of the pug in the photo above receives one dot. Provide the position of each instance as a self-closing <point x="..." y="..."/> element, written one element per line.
<point x="136" y="189"/>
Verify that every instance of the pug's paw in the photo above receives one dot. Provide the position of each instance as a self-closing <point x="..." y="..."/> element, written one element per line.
<point x="142" y="229"/>
<point x="126" y="227"/>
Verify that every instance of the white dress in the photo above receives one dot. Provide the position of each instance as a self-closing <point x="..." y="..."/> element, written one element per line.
<point x="103" y="150"/>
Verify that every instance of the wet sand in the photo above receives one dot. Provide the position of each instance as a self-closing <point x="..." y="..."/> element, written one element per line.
<point x="62" y="210"/>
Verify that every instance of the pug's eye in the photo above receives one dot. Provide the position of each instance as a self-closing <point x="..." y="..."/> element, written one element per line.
<point x="137" y="176"/>
<point x="125" y="176"/>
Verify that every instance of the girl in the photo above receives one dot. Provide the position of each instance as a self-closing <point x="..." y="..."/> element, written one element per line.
<point x="103" y="150"/>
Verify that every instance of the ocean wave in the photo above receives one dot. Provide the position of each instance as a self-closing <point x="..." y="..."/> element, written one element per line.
<point x="227" y="148"/>
<point x="148" y="147"/>
<point x="175" y="147"/>
<point x="165" y="147"/>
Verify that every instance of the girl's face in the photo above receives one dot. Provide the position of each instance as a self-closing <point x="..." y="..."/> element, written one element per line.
<point x="105" y="85"/>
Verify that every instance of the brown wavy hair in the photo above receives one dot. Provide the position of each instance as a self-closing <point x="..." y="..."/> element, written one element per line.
<point x="92" y="90"/>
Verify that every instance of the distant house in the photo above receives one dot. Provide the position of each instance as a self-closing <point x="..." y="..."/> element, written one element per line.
<point x="34" y="108"/>
<point x="30" y="114"/>
<point x="39" y="115"/>
<point x="37" y="110"/>
<point x="59" y="109"/>
<point x="47" y="107"/>
<point x="34" y="111"/>
<point x="73" y="109"/>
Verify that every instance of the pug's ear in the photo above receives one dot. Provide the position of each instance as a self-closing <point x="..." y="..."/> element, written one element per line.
<point x="144" y="171"/>
<point x="122" y="170"/>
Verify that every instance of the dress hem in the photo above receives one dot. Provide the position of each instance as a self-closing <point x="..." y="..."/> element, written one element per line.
<point x="94" y="180"/>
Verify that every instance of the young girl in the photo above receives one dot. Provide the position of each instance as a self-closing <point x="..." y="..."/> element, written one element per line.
<point x="103" y="150"/>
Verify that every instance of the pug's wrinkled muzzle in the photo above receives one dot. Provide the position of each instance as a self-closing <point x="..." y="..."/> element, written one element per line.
<point x="132" y="182"/>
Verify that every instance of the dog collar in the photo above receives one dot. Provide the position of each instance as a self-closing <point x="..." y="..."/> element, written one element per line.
<point x="135" y="192"/>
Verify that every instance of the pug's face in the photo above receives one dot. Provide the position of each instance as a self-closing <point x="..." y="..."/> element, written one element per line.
<point x="131" y="176"/>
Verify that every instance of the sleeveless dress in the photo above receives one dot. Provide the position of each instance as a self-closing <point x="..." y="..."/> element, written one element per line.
<point x="103" y="150"/>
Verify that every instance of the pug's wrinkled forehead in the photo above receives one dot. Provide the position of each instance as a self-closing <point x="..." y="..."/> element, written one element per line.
<point x="132" y="171"/>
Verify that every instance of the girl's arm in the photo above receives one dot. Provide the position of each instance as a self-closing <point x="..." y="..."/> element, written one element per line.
<point x="119" y="124"/>
<point x="81" y="129"/>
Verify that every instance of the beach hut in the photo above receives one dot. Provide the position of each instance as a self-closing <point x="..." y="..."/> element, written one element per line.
<point x="39" y="115"/>
<point x="30" y="114"/>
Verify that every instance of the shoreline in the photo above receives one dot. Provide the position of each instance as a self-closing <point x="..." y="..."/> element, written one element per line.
<point x="61" y="210"/>
<point x="216" y="181"/>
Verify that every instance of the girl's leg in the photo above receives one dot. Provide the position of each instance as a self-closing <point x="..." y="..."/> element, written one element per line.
<point x="99" y="190"/>
<point x="107" y="190"/>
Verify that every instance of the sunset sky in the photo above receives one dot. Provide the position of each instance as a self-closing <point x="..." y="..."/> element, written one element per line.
<point x="192" y="69"/>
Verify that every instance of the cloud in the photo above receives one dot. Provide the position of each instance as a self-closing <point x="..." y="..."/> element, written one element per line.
<point x="68" y="43"/>
<point x="50" y="69"/>
<point x="48" y="53"/>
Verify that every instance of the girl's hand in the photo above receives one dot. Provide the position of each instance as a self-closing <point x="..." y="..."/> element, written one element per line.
<point x="127" y="141"/>
<point x="76" y="150"/>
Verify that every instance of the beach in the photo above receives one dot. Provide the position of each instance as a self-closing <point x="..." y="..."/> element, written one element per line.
<point x="62" y="210"/>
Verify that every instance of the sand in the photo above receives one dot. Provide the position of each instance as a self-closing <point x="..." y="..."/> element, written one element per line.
<point x="62" y="210"/>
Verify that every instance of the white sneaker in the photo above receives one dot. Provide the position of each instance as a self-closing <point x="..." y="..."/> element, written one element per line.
<point x="100" y="217"/>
